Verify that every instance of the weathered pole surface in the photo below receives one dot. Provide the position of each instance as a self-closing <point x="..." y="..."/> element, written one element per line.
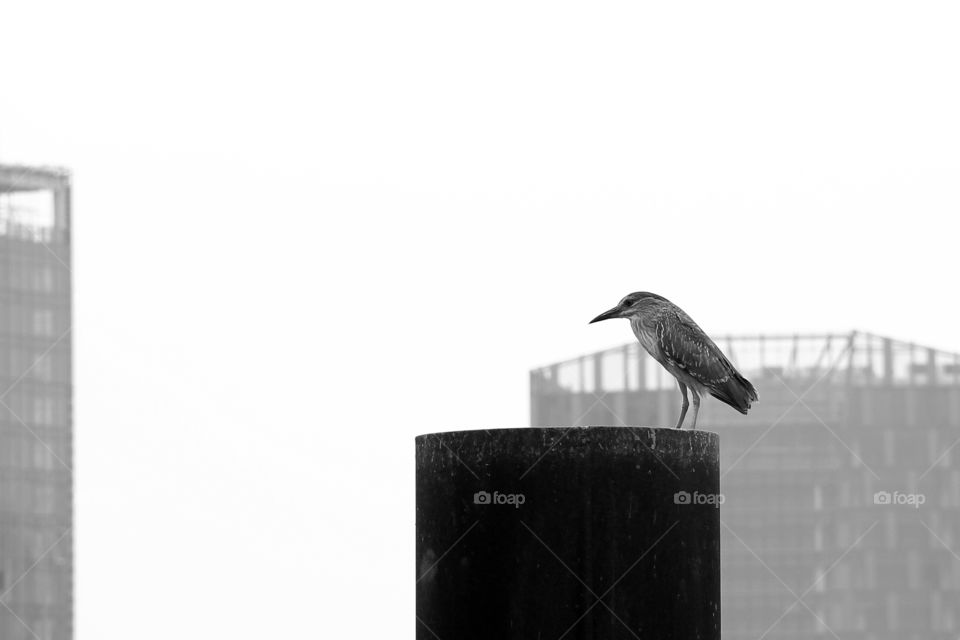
<point x="568" y="533"/>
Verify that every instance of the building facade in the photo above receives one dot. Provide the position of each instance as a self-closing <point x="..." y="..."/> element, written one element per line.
<point x="841" y="512"/>
<point x="36" y="424"/>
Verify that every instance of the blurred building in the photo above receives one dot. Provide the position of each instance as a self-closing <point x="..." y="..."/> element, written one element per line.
<point x="842" y="486"/>
<point x="36" y="448"/>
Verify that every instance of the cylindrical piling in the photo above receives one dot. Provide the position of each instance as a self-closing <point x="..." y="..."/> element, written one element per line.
<point x="568" y="533"/>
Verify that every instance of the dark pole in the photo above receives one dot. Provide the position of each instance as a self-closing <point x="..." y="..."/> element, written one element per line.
<point x="556" y="533"/>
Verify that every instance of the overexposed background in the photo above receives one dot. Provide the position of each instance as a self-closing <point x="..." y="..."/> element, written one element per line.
<point x="305" y="233"/>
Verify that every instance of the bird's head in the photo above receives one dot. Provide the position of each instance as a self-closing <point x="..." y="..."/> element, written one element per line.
<point x="631" y="305"/>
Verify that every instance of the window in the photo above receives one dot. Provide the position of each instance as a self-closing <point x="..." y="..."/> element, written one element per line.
<point x="43" y="322"/>
<point x="43" y="410"/>
<point x="43" y="279"/>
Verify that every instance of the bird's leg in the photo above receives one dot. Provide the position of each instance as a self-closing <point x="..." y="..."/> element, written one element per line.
<point x="686" y="403"/>
<point x="696" y="407"/>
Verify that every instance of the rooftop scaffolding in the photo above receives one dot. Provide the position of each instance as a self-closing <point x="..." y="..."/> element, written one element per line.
<point x="34" y="203"/>
<point x="855" y="358"/>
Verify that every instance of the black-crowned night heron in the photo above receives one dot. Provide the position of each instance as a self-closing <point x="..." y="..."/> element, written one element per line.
<point x="676" y="342"/>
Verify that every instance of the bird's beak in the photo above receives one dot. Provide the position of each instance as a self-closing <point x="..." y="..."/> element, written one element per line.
<point x="606" y="315"/>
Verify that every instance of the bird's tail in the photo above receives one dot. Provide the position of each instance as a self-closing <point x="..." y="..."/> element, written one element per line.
<point x="736" y="392"/>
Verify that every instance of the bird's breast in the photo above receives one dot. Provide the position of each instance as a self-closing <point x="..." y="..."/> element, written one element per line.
<point x="647" y="336"/>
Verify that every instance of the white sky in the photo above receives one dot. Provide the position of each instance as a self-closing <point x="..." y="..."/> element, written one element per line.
<point x="306" y="233"/>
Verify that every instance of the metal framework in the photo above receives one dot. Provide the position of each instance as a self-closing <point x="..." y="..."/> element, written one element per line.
<point x="35" y="203"/>
<point x="857" y="358"/>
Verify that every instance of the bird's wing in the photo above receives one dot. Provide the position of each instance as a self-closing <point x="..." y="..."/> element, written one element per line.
<point x="687" y="347"/>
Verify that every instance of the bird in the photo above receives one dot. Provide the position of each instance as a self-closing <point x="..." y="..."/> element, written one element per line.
<point x="674" y="340"/>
